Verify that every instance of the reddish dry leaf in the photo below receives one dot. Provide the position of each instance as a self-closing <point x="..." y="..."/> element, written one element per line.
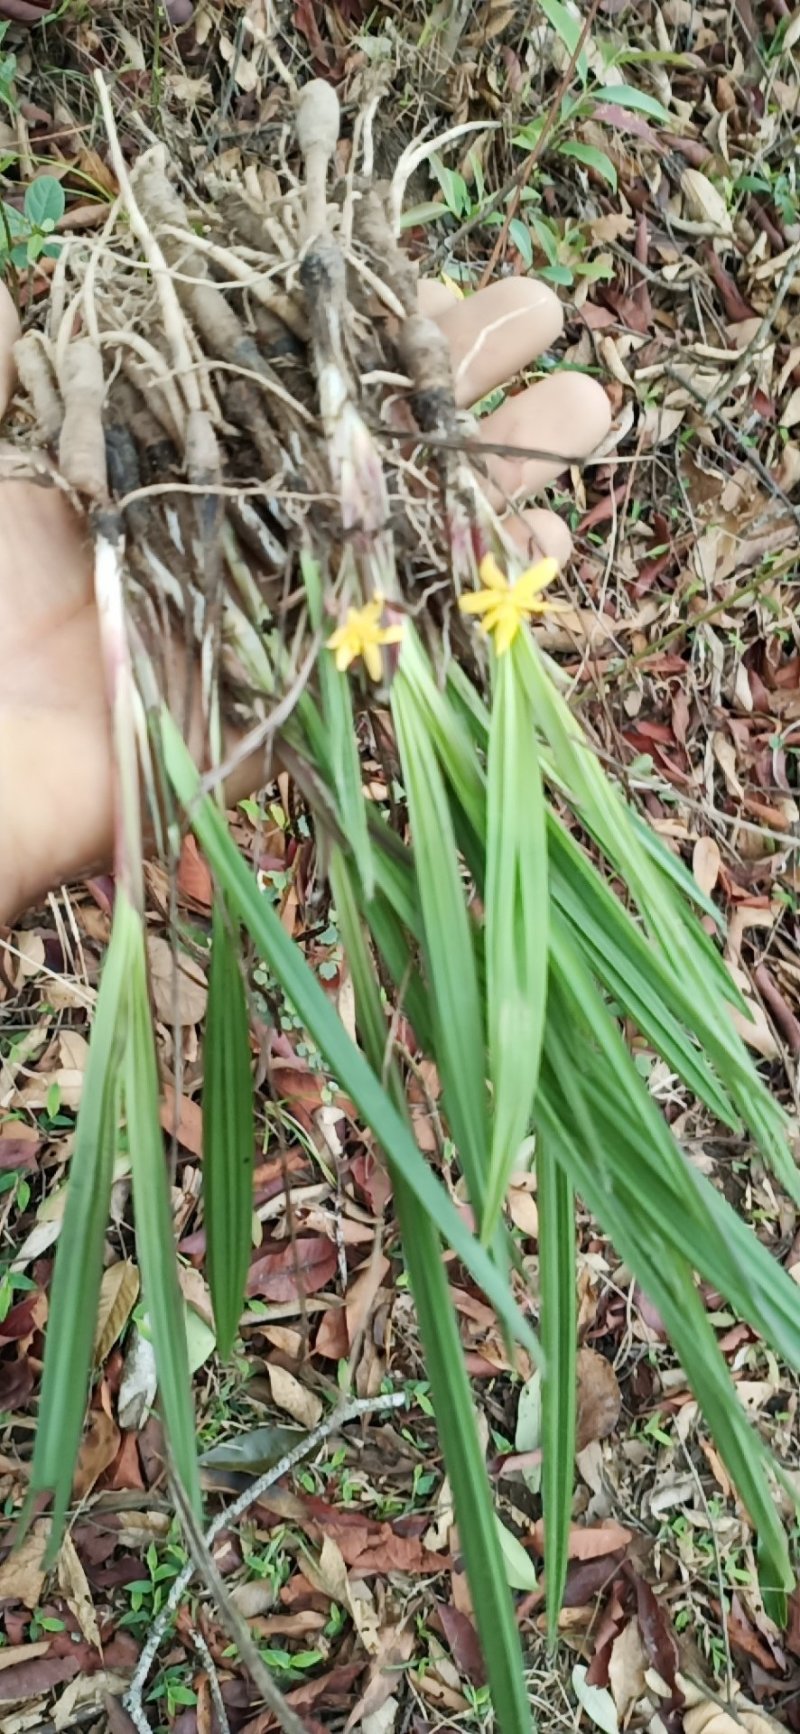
<point x="194" y="879"/>
<point x="19" y="1153"/>
<point x="372" y="1180"/>
<point x="462" y="1640"/>
<point x="332" y="1339"/>
<point x="658" y="1636"/>
<point x="587" y="1578"/>
<point x="31" y="1679"/>
<point x="16" y="1382"/>
<point x="744" y="1638"/>
<point x="27" y="1316"/>
<point x="126" y="1474"/>
<point x="599" y="1398"/>
<point x="334" y="1690"/>
<point x="588" y="1541"/>
<point x="189" y="1126"/>
<point x="99" y="1447"/>
<point x="300" y="1267"/>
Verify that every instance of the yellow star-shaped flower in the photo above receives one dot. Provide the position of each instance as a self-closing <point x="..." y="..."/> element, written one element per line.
<point x="504" y="605"/>
<point x="362" y="635"/>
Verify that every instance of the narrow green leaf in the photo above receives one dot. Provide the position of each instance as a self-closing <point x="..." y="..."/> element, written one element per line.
<point x="571" y="1126"/>
<point x="228" y="1130"/>
<point x="341" y="742"/>
<point x="317" y="1014"/>
<point x="456" y="1003"/>
<point x="637" y="101"/>
<point x="567" y="26"/>
<point x="154" y="1236"/>
<point x="558" y="1329"/>
<point x="515" y="926"/>
<point x="592" y="157"/>
<point x="605" y="813"/>
<point x="79" y="1258"/>
<point x="444" y="1357"/>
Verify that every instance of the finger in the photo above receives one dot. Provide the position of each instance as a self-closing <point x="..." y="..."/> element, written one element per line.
<point x="21" y="12"/>
<point x="539" y="534"/>
<point x="494" y="334"/>
<point x="9" y="332"/>
<point x="566" y="413"/>
<point x="434" y="298"/>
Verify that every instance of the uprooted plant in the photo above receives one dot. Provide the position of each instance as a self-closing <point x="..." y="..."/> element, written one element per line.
<point x="262" y="432"/>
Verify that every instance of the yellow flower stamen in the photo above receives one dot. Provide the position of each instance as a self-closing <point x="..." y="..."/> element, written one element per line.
<point x="362" y="636"/>
<point x="504" y="605"/>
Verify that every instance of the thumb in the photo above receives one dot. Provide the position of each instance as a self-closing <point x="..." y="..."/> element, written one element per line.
<point x="9" y="332"/>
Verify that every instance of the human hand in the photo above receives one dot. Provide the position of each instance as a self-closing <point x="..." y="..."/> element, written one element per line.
<point x="34" y="11"/>
<point x="55" y="748"/>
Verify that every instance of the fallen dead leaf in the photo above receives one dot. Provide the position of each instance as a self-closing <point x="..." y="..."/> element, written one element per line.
<point x="74" y="1586"/>
<point x="99" y="1447"/>
<point x="704" y="202"/>
<point x="87" y="1692"/>
<point x="295" y="1400"/>
<point x="188" y="1127"/>
<point x="119" y="1292"/>
<point x="706" y="863"/>
<point x="22" y="1575"/>
<point x="588" y="1541"/>
<point x="701" y="1716"/>
<point x="178" y="984"/>
<point x="627" y="1664"/>
<point x="10" y="1654"/>
<point x="599" y="1398"/>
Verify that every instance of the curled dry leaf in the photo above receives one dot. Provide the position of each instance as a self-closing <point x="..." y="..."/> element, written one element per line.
<point x="627" y="1664"/>
<point x="119" y="1292"/>
<point x="704" y="203"/>
<point x="99" y="1447"/>
<point x="599" y="1398"/>
<point x="706" y="863"/>
<point x="295" y="1400"/>
<point x="74" y="1586"/>
<point x="22" y="1575"/>
<point x="178" y="984"/>
<point x="701" y="1716"/>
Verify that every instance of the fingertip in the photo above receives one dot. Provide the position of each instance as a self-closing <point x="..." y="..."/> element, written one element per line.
<point x="9" y="332"/>
<point x="540" y="534"/>
<point x="498" y="331"/>
<point x="434" y="298"/>
<point x="587" y="406"/>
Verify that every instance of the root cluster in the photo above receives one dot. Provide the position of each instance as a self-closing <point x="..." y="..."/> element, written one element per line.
<point x="226" y="386"/>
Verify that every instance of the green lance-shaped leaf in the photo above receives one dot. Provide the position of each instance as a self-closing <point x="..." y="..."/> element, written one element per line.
<point x="340" y="738"/>
<point x="558" y="1328"/>
<point x="155" y="1241"/>
<point x="566" y="1115"/>
<point x="314" y="1009"/>
<point x="444" y="1355"/>
<point x="228" y="1129"/>
<point x="456" y="1003"/>
<point x="79" y="1258"/>
<point x="515" y="925"/>
<point x="682" y="942"/>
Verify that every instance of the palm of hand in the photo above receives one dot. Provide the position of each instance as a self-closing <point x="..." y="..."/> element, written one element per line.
<point x="55" y="761"/>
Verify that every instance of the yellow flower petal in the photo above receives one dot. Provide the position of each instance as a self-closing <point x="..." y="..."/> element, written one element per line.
<point x="372" y="659"/>
<point x="477" y="602"/>
<point x="507" y="629"/>
<point x="530" y="582"/>
<point x="491" y="574"/>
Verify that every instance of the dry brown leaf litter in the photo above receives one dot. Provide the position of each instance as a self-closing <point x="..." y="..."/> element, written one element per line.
<point x="683" y="646"/>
